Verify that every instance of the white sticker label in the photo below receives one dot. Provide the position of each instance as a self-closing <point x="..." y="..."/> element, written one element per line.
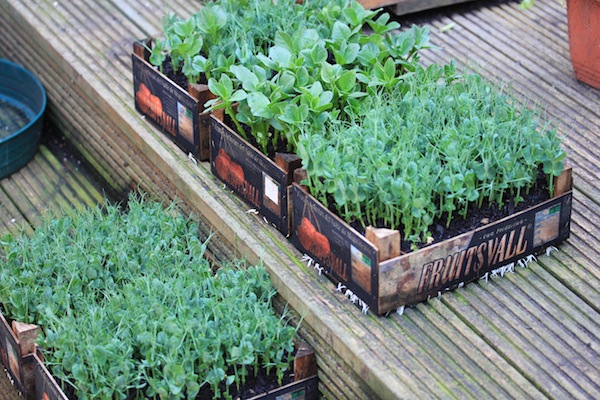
<point x="271" y="189"/>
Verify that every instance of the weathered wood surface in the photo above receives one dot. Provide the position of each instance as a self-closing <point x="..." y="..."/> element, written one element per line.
<point x="49" y="183"/>
<point x="531" y="334"/>
<point x="402" y="7"/>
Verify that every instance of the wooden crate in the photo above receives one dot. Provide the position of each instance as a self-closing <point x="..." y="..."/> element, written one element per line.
<point x="17" y="345"/>
<point x="261" y="182"/>
<point x="178" y="113"/>
<point x="304" y="386"/>
<point x="373" y="282"/>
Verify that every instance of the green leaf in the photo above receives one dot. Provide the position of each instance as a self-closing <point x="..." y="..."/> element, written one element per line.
<point x="222" y="88"/>
<point x="157" y="56"/>
<point x="259" y="104"/>
<point x="211" y="18"/>
<point x="248" y="79"/>
<point x="328" y="73"/>
<point x="238" y="95"/>
<point x="185" y="28"/>
<point x="287" y="82"/>
<point x="192" y="389"/>
<point x="317" y="55"/>
<point x="284" y="40"/>
<point x="347" y="81"/>
<point x="390" y="68"/>
<point x="267" y="62"/>
<point x="340" y="31"/>
<point x="368" y="54"/>
<point x="302" y="77"/>
<point x="294" y="114"/>
<point x="281" y="56"/>
<point x="309" y="38"/>
<point x="526" y="4"/>
<point x="381" y="25"/>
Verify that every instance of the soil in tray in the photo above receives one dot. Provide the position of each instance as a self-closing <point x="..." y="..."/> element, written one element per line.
<point x="177" y="76"/>
<point x="260" y="384"/>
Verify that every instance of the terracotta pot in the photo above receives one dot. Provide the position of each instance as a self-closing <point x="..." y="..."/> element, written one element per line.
<point x="584" y="37"/>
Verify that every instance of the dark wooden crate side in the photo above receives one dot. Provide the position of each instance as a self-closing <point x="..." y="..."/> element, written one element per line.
<point x="10" y="353"/>
<point x="305" y="389"/>
<point x="255" y="178"/>
<point x="180" y="115"/>
<point x="344" y="253"/>
<point x="46" y="387"/>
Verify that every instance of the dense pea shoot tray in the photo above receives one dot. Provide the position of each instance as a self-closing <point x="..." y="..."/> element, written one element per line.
<point x="353" y="263"/>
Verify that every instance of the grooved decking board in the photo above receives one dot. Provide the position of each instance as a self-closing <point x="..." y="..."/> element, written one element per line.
<point x="400" y="7"/>
<point x="45" y="185"/>
<point x="531" y="334"/>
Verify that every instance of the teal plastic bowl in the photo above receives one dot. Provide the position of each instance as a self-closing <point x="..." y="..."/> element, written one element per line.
<point x="22" y="106"/>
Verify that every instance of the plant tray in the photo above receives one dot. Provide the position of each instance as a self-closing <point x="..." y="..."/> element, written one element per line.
<point x="255" y="178"/>
<point x="304" y="387"/>
<point x="179" y="114"/>
<point x="352" y="262"/>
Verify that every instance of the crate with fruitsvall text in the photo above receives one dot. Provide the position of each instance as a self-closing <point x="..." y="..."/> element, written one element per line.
<point x="363" y="269"/>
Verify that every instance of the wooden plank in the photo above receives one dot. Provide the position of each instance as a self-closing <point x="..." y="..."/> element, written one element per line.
<point x="576" y="277"/>
<point x="486" y="322"/>
<point x="85" y="191"/>
<point x="570" y="357"/>
<point x="355" y="341"/>
<point x="410" y="6"/>
<point x="81" y="118"/>
<point x="568" y="373"/>
<point x="47" y="186"/>
<point x="13" y="218"/>
<point x="20" y="200"/>
<point x="507" y="377"/>
<point x="575" y="314"/>
<point x="450" y="360"/>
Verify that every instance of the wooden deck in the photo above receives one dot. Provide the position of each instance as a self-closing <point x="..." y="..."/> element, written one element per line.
<point x="531" y="334"/>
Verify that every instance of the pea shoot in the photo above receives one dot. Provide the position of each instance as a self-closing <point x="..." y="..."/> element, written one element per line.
<point x="128" y="305"/>
<point x="436" y="144"/>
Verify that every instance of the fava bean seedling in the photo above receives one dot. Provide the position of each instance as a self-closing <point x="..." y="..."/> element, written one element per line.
<point x="130" y="308"/>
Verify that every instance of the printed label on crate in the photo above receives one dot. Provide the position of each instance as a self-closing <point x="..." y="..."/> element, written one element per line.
<point x="165" y="104"/>
<point x="416" y="276"/>
<point x="10" y="353"/>
<point x="345" y="254"/>
<point x="249" y="173"/>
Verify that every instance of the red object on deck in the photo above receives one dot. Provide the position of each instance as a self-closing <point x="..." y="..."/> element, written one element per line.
<point x="584" y="38"/>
